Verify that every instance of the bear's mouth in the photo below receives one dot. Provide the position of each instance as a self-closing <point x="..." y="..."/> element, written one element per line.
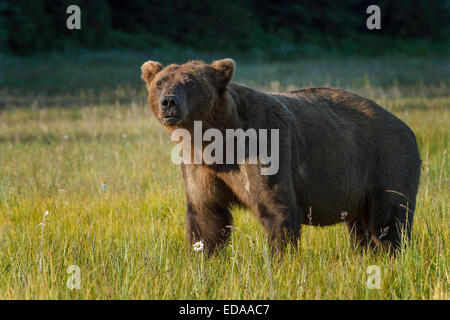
<point x="171" y="120"/>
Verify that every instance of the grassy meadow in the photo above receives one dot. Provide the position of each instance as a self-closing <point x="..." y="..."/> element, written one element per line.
<point x="77" y="139"/>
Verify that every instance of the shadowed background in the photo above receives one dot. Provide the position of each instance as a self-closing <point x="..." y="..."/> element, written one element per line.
<point x="275" y="29"/>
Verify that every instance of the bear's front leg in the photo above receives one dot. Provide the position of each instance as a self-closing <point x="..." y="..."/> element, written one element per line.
<point x="211" y="225"/>
<point x="281" y="222"/>
<point x="208" y="199"/>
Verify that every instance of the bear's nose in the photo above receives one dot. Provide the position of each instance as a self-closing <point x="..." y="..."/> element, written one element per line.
<point x="169" y="102"/>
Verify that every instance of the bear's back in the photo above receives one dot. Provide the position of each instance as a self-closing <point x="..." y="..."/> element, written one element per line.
<point x="361" y="114"/>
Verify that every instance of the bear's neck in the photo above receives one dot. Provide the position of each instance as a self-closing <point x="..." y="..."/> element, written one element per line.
<point x="230" y="111"/>
<point x="224" y="114"/>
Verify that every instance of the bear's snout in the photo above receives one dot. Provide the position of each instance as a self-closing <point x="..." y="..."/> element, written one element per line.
<point x="170" y="110"/>
<point x="168" y="103"/>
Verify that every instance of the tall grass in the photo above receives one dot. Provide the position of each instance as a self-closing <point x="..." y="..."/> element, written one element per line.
<point x="128" y="238"/>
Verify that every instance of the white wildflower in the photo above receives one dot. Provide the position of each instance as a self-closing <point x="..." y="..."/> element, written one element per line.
<point x="198" y="246"/>
<point x="42" y="224"/>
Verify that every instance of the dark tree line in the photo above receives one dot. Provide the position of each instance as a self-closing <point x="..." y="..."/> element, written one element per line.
<point x="30" y="26"/>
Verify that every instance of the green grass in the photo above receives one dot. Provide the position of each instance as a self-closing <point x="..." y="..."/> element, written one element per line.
<point x="68" y="124"/>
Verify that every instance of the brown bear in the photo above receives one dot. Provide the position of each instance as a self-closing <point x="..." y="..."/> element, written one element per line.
<point x="343" y="158"/>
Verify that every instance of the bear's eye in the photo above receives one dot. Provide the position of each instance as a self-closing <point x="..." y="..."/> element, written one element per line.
<point x="159" y="84"/>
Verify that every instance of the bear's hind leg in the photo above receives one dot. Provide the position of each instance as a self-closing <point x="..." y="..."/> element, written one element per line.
<point x="391" y="220"/>
<point x="359" y="237"/>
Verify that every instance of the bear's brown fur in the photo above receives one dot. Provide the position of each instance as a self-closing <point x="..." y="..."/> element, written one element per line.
<point x="342" y="158"/>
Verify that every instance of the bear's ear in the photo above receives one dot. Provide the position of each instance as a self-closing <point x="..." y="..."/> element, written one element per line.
<point x="225" y="68"/>
<point x="149" y="71"/>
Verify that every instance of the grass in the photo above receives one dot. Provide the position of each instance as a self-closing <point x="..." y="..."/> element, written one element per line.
<point x="70" y="124"/>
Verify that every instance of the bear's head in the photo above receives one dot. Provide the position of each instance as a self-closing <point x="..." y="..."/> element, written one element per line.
<point x="180" y="94"/>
